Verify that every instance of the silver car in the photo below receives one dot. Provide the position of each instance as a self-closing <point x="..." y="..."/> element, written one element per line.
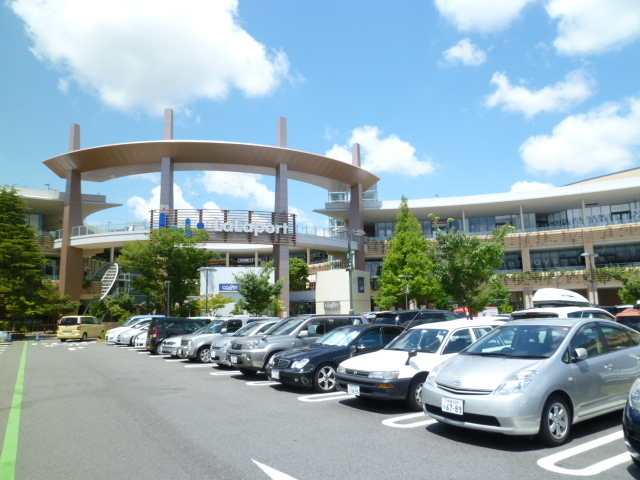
<point x="536" y="377"/>
<point x="219" y="347"/>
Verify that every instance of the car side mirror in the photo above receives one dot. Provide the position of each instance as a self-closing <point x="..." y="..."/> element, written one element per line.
<point x="411" y="354"/>
<point x="224" y="330"/>
<point x="303" y="333"/>
<point x="580" y="353"/>
<point x="352" y="350"/>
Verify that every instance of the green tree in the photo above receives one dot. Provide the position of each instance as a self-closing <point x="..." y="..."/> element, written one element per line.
<point x="298" y="275"/>
<point x="411" y="254"/>
<point x="120" y="306"/>
<point x="21" y="263"/>
<point x="169" y="255"/>
<point x="259" y="295"/>
<point x="51" y="304"/>
<point x="465" y="264"/>
<point x="211" y="305"/>
<point x="630" y="290"/>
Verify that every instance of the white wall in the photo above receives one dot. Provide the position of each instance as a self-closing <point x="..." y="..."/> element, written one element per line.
<point x="332" y="286"/>
<point x="217" y="277"/>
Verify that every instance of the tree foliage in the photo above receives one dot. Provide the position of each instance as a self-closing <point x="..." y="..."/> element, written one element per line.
<point x="259" y="295"/>
<point x="169" y="255"/>
<point x="120" y="306"/>
<point x="21" y="263"/>
<point x="630" y="290"/>
<point x="298" y="275"/>
<point x="465" y="264"/>
<point x="51" y="304"/>
<point x="210" y="306"/>
<point x="410" y="253"/>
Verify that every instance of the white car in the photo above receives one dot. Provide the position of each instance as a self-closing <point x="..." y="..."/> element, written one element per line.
<point x="112" y="334"/>
<point x="141" y="339"/>
<point x="124" y="336"/>
<point x="398" y="371"/>
<point x="560" y="303"/>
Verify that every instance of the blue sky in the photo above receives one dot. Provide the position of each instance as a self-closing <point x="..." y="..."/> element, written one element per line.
<point x="445" y="97"/>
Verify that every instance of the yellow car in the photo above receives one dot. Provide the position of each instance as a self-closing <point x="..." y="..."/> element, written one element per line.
<point x="79" y="327"/>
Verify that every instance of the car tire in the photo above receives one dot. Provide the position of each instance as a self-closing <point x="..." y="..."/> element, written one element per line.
<point x="555" y="421"/>
<point x="63" y="339"/>
<point x="324" y="378"/>
<point x="636" y="462"/>
<point x="204" y="354"/>
<point x="414" y="398"/>
<point x="247" y="372"/>
<point x="158" y="347"/>
<point x="84" y="337"/>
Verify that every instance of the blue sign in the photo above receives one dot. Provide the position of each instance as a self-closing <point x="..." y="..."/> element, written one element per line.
<point x="229" y="287"/>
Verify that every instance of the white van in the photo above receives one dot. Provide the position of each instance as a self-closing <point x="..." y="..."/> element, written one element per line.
<point x="559" y="303"/>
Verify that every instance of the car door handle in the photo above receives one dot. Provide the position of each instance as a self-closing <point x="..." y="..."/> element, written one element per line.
<point x="609" y="366"/>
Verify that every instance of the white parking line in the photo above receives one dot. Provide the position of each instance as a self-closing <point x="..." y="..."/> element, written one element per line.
<point x="228" y="372"/>
<point x="549" y="463"/>
<point x="325" y="397"/>
<point x="199" y="365"/>
<point x="262" y="382"/>
<point x="272" y="472"/>
<point x="174" y="360"/>
<point x="394" y="422"/>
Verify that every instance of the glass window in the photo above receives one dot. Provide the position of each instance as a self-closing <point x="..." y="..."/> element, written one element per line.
<point x="390" y="333"/>
<point x="481" y="331"/>
<point x="426" y="340"/>
<point x="373" y="338"/>
<point x="617" y="338"/>
<point x="317" y="328"/>
<point x="588" y="339"/>
<point x="233" y="325"/>
<point x="458" y="341"/>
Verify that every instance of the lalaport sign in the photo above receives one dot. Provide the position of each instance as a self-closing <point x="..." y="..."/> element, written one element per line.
<point x="231" y="226"/>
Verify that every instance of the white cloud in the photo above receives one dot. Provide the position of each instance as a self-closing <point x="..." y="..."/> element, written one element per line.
<point x="481" y="15"/>
<point x="139" y="207"/>
<point x="526" y="186"/>
<point x="594" y="26"/>
<point x="465" y="53"/>
<point x="151" y="54"/>
<point x="245" y="186"/>
<point x="604" y="139"/>
<point x="390" y="154"/>
<point x="153" y="178"/>
<point x="576" y="88"/>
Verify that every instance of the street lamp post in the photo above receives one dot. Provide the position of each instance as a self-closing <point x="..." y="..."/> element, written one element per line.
<point x="168" y="283"/>
<point x="206" y="271"/>
<point x="406" y="290"/>
<point x="557" y="279"/>
<point x="592" y="268"/>
<point x="350" y="263"/>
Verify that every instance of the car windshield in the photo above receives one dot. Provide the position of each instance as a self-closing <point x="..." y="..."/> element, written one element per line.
<point x="69" y="321"/>
<point x="339" y="338"/>
<point x="286" y="326"/>
<point x="426" y="340"/>
<point x="214" y="327"/>
<point x="520" y="341"/>
<point x="201" y="330"/>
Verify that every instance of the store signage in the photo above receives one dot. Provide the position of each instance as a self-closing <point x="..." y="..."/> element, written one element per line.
<point x="229" y="287"/>
<point x="238" y="226"/>
<point x="331" y="305"/>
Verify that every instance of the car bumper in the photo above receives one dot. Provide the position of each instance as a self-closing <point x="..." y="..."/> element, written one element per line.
<point x="291" y="376"/>
<point x="375" y="388"/>
<point x="68" y="336"/>
<point x="508" y="414"/>
<point x="631" y="430"/>
<point x="219" y="356"/>
<point x="169" y="350"/>
<point x="247" y="359"/>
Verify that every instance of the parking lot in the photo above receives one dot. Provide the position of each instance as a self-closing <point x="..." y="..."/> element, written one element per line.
<point x="92" y="410"/>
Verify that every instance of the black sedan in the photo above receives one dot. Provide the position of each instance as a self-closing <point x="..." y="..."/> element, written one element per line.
<point x="314" y="366"/>
<point x="631" y="423"/>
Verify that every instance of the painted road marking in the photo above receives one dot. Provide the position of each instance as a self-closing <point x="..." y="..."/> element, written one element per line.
<point x="395" y="421"/>
<point x="9" y="455"/>
<point x="272" y="472"/>
<point x="199" y="365"/>
<point x="229" y="372"/>
<point x="262" y="382"/>
<point x="549" y="463"/>
<point x="325" y="397"/>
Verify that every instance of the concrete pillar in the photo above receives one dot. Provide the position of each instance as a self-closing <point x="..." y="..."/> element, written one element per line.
<point x="166" y="169"/>
<point x="281" y="252"/>
<point x="256" y="259"/>
<point x="71" y="261"/>
<point x="356" y="207"/>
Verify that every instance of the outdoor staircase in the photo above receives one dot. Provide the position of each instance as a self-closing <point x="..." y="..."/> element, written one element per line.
<point x="109" y="279"/>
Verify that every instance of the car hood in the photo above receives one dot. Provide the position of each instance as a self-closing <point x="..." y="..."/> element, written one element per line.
<point x="388" y="360"/>
<point x="202" y="336"/>
<point x="482" y="373"/>
<point x="310" y="352"/>
<point x="221" y="342"/>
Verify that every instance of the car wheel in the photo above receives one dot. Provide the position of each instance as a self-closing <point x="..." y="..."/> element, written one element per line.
<point x="324" y="378"/>
<point x="555" y="424"/>
<point x="84" y="337"/>
<point x="204" y="354"/>
<point x="414" y="395"/>
<point x="63" y="339"/>
<point x="636" y="462"/>
<point x="247" y="372"/>
<point x="157" y="349"/>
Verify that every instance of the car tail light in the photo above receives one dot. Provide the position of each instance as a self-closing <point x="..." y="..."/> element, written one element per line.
<point x="155" y="332"/>
<point x="79" y="327"/>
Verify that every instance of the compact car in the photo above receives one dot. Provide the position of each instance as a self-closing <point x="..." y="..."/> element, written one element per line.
<point x="536" y="377"/>
<point x="79" y="327"/>
<point x="219" y="346"/>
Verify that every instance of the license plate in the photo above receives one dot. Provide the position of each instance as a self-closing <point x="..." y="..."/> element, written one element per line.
<point x="451" y="405"/>
<point x="275" y="374"/>
<point x="353" y="389"/>
<point x="233" y="358"/>
<point x="67" y="332"/>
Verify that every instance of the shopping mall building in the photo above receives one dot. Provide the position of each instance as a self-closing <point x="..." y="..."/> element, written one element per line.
<point x="561" y="235"/>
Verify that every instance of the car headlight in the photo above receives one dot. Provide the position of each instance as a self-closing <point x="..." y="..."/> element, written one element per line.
<point x="341" y="369"/>
<point x="300" y="363"/>
<point x="250" y="344"/>
<point x="516" y="383"/>
<point x="634" y="395"/>
<point x="431" y="379"/>
<point x="385" y="375"/>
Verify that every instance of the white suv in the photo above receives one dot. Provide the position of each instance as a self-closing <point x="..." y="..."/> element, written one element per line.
<point x="559" y="303"/>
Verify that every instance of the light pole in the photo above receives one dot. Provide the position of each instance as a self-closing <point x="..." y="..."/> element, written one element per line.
<point x="206" y="271"/>
<point x="406" y="290"/>
<point x="557" y="279"/>
<point x="592" y="268"/>
<point x="350" y="263"/>
<point x="168" y="283"/>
